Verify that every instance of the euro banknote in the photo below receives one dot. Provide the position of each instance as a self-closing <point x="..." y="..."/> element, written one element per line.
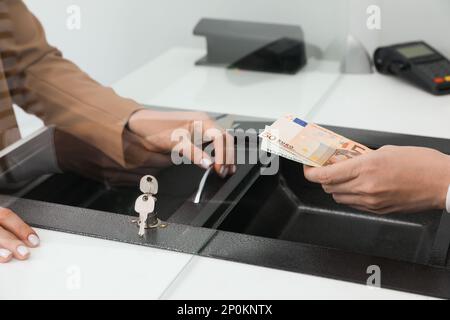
<point x="267" y="146"/>
<point x="308" y="143"/>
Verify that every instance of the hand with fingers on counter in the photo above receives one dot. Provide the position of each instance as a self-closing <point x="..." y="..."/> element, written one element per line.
<point x="16" y="237"/>
<point x="391" y="179"/>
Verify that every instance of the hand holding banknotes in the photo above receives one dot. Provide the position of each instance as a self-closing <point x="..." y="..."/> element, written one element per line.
<point x="391" y="179"/>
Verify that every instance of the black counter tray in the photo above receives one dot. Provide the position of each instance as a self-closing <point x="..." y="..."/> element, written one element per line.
<point x="279" y="221"/>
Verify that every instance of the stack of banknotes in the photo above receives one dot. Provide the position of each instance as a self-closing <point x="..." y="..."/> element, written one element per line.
<point x="308" y="143"/>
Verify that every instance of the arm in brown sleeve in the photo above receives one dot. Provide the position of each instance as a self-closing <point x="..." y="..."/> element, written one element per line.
<point x="56" y="90"/>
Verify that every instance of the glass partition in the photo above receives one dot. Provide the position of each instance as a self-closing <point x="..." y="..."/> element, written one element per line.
<point x="139" y="121"/>
<point x="229" y="62"/>
<point x="175" y="141"/>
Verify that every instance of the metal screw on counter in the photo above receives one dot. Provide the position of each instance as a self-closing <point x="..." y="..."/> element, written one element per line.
<point x="145" y="205"/>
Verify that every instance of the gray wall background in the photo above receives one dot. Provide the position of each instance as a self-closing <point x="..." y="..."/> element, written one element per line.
<point x="118" y="36"/>
<point x="402" y="21"/>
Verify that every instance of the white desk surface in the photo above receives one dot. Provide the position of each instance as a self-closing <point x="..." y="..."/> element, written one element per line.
<point x="383" y="103"/>
<point x="113" y="270"/>
<point x="172" y="80"/>
<point x="75" y="267"/>
<point x="206" y="278"/>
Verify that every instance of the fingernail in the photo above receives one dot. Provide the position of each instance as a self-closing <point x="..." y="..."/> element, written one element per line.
<point x="5" y="254"/>
<point x="34" y="240"/>
<point x="206" y="163"/>
<point x="23" y="251"/>
<point x="223" y="171"/>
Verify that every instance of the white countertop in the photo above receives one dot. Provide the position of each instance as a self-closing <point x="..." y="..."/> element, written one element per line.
<point x="206" y="278"/>
<point x="384" y="103"/>
<point x="114" y="270"/>
<point x="172" y="80"/>
<point x="69" y="266"/>
<point x="318" y="93"/>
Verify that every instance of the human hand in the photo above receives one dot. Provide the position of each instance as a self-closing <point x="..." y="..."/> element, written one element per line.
<point x="15" y="237"/>
<point x="157" y="129"/>
<point x="391" y="179"/>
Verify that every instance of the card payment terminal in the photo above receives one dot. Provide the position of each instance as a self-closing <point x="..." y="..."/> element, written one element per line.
<point x="416" y="62"/>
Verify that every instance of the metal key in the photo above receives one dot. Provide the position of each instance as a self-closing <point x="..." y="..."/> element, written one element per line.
<point x="149" y="184"/>
<point x="144" y="205"/>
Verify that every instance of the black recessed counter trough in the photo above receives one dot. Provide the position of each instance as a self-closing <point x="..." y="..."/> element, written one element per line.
<point x="279" y="221"/>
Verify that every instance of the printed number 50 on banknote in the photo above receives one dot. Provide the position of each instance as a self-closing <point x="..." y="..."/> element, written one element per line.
<point x="310" y="141"/>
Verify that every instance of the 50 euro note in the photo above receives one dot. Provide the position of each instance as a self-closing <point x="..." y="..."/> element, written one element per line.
<point x="267" y="146"/>
<point x="309" y="143"/>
